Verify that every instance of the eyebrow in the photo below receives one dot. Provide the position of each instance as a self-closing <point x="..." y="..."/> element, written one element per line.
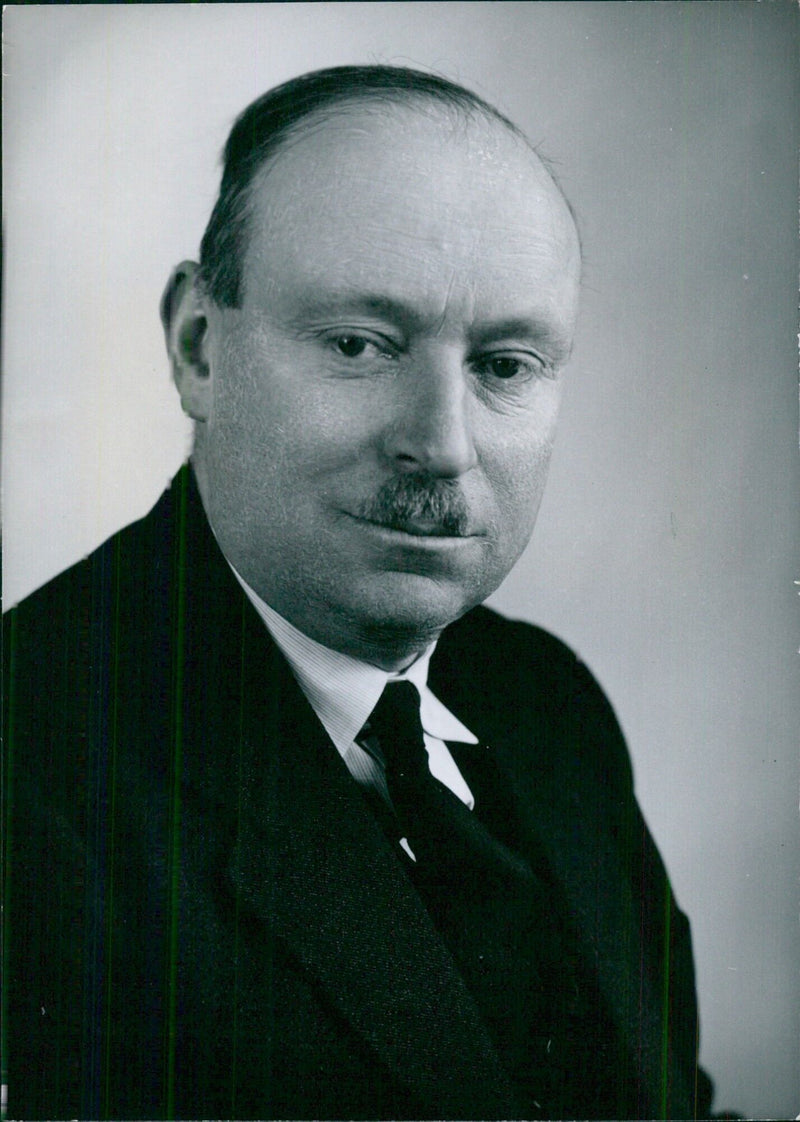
<point x="520" y="327"/>
<point x="319" y="303"/>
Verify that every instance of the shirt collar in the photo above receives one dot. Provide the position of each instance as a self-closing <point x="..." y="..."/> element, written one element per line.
<point x="343" y="691"/>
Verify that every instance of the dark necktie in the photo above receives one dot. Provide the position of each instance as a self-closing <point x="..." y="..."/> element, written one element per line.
<point x="442" y="832"/>
<point x="395" y="723"/>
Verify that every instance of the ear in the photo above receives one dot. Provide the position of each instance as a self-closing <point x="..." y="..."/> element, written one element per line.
<point x="183" y="314"/>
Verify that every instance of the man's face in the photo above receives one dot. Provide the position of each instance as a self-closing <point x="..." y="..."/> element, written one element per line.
<point x="383" y="402"/>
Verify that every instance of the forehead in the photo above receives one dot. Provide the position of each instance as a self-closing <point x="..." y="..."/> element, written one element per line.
<point x="416" y="204"/>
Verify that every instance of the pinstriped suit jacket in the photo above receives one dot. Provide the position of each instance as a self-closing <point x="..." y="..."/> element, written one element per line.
<point x="204" y="918"/>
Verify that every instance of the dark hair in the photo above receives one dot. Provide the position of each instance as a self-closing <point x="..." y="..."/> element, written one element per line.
<point x="260" y="130"/>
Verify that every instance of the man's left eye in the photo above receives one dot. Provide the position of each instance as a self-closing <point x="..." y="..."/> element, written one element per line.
<point x="509" y="367"/>
<point x="353" y="346"/>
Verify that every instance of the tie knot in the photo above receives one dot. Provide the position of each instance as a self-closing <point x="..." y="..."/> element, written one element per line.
<point x="396" y="722"/>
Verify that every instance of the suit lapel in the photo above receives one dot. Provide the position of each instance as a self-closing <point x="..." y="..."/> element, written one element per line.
<point x="587" y="863"/>
<point x="561" y="819"/>
<point x="339" y="897"/>
<point x="311" y="861"/>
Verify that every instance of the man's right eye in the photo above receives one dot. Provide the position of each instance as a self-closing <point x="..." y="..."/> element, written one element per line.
<point x="352" y="346"/>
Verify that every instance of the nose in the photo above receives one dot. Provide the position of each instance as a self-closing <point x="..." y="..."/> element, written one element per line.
<point x="432" y="425"/>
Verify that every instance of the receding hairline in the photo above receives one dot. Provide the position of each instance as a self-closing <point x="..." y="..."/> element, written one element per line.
<point x="419" y="103"/>
<point x="446" y="101"/>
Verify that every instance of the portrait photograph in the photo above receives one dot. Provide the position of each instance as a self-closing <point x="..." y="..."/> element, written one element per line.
<point x="332" y="786"/>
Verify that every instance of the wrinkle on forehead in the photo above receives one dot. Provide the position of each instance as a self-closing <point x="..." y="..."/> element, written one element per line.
<point x="389" y="192"/>
<point x="488" y="145"/>
<point x="377" y="114"/>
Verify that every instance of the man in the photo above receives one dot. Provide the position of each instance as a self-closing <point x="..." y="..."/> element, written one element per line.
<point x="296" y="828"/>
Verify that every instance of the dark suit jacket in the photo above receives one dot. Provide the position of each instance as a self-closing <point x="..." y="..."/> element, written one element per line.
<point x="204" y="918"/>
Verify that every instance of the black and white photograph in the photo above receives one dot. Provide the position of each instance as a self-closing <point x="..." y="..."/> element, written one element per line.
<point x="401" y="561"/>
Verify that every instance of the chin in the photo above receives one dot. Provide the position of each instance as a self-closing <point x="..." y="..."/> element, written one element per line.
<point x="416" y="610"/>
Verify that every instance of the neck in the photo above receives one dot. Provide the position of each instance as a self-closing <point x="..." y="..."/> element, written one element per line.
<point x="387" y="649"/>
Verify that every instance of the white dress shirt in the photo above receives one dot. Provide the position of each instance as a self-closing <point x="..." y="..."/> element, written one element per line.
<point x="343" y="691"/>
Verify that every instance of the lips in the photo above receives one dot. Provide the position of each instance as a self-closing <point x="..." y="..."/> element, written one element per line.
<point x="421" y="528"/>
<point x="424" y="529"/>
<point x="413" y="527"/>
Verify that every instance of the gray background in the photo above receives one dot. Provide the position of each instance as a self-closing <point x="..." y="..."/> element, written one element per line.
<point x="668" y="540"/>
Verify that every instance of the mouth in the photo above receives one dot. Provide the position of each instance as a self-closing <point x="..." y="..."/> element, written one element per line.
<point x="419" y="528"/>
<point x="422" y="530"/>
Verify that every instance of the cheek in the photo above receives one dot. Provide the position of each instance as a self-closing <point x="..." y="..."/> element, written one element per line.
<point x="273" y="414"/>
<point x="517" y="453"/>
<point x="518" y="499"/>
<point x="523" y="481"/>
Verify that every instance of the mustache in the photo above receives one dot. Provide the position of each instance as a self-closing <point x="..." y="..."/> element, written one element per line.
<point x="419" y="496"/>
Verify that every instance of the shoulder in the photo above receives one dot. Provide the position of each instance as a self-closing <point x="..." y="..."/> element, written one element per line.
<point x="527" y="659"/>
<point x="146" y="535"/>
<point x="130" y="570"/>
<point x="521" y="678"/>
<point x="95" y="637"/>
<point x="513" y="643"/>
<point x="148" y="636"/>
